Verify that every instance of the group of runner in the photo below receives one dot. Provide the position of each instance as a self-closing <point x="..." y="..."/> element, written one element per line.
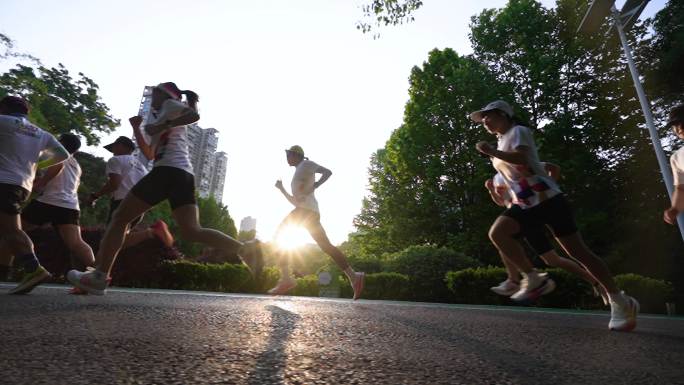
<point x="526" y="187"/>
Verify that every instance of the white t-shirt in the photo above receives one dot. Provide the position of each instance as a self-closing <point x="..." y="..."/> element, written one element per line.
<point x="131" y="172"/>
<point x="303" y="180"/>
<point x="171" y="146"/>
<point x="530" y="185"/>
<point x="21" y="143"/>
<point x="677" y="164"/>
<point x="62" y="190"/>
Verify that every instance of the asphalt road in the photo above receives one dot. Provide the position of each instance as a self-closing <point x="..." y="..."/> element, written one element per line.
<point x="167" y="337"/>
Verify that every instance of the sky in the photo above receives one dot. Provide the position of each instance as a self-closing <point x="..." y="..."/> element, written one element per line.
<point x="269" y="73"/>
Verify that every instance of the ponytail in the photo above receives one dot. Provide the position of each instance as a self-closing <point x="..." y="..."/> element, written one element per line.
<point x="192" y="98"/>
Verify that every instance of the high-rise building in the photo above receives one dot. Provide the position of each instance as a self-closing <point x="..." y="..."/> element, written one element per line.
<point x="208" y="166"/>
<point x="218" y="175"/>
<point x="248" y="224"/>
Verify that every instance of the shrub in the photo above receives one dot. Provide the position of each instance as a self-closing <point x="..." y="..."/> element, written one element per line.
<point x="186" y="275"/>
<point x="651" y="293"/>
<point x="426" y="266"/>
<point x="387" y="286"/>
<point x="307" y="286"/>
<point x="471" y="286"/>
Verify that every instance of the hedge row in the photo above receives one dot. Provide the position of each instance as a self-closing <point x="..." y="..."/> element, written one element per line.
<point x="472" y="285"/>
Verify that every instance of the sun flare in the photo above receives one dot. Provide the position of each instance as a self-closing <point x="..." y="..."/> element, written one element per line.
<point x="292" y="238"/>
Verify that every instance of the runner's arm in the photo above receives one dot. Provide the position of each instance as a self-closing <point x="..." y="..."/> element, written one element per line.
<point x="52" y="156"/>
<point x="40" y="182"/>
<point x="188" y="118"/>
<point x="517" y="156"/>
<point x="144" y="147"/>
<point x="325" y="175"/>
<point x="290" y="198"/>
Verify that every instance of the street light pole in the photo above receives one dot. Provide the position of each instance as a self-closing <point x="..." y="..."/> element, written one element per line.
<point x="646" y="108"/>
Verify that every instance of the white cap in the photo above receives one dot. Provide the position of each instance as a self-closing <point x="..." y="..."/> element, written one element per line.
<point x="495" y="105"/>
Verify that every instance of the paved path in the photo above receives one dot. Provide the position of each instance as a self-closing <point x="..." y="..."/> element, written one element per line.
<point x="168" y="337"/>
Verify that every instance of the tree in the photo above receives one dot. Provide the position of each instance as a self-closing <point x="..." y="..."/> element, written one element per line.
<point x="59" y="102"/>
<point x="426" y="185"/>
<point x="387" y="12"/>
<point x="666" y="60"/>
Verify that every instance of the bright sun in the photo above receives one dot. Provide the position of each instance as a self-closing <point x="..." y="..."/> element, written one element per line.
<point x="292" y="237"/>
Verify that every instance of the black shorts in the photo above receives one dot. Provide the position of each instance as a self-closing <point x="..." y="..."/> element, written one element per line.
<point x="555" y="213"/>
<point x="39" y="213"/>
<point x="12" y="197"/>
<point x="113" y="205"/>
<point x="163" y="183"/>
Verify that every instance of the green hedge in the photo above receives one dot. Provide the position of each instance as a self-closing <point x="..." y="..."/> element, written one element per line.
<point x="651" y="293"/>
<point x="471" y="286"/>
<point x="425" y="266"/>
<point x="386" y="286"/>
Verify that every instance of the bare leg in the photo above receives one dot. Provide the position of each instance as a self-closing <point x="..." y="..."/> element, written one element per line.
<point x="501" y="234"/>
<point x="18" y="243"/>
<point x="187" y="218"/>
<point x="318" y="234"/>
<point x="134" y="238"/>
<point x="131" y="207"/>
<point x="511" y="270"/>
<point x="554" y="260"/>
<point x="71" y="235"/>
<point x="577" y="249"/>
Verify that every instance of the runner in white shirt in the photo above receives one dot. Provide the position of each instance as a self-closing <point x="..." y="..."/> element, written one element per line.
<point x="537" y="239"/>
<point x="123" y="171"/>
<point x="57" y="202"/>
<point x="306" y="214"/>
<point x="24" y="148"/>
<point x="539" y="201"/>
<point x="676" y="121"/>
<point x="170" y="179"/>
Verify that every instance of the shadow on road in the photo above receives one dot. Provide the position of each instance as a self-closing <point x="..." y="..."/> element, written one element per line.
<point x="271" y="362"/>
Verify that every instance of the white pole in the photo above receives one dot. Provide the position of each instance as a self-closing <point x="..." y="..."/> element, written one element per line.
<point x="645" y="106"/>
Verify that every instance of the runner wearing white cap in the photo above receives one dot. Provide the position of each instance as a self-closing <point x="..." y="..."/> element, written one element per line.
<point x="539" y="201"/>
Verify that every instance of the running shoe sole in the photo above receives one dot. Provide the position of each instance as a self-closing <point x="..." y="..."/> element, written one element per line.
<point x="545" y="288"/>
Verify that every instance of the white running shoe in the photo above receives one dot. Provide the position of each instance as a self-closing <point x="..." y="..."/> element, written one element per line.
<point x="533" y="286"/>
<point x="623" y="317"/>
<point x="92" y="281"/>
<point x="506" y="288"/>
<point x="283" y="286"/>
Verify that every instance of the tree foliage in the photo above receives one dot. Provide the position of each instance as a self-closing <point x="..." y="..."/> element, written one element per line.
<point x="379" y="13"/>
<point x="425" y="185"/>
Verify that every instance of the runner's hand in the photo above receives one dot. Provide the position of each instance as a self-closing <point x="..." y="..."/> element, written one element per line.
<point x="489" y="184"/>
<point x="485" y="148"/>
<point x="670" y="215"/>
<point x="279" y="184"/>
<point x="135" y="121"/>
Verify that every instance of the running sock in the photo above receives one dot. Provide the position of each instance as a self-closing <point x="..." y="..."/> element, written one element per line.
<point x="28" y="262"/>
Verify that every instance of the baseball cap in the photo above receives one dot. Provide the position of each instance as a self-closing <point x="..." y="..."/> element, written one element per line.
<point x="495" y="105"/>
<point x="296" y="149"/>
<point x="676" y="115"/>
<point x="126" y="141"/>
